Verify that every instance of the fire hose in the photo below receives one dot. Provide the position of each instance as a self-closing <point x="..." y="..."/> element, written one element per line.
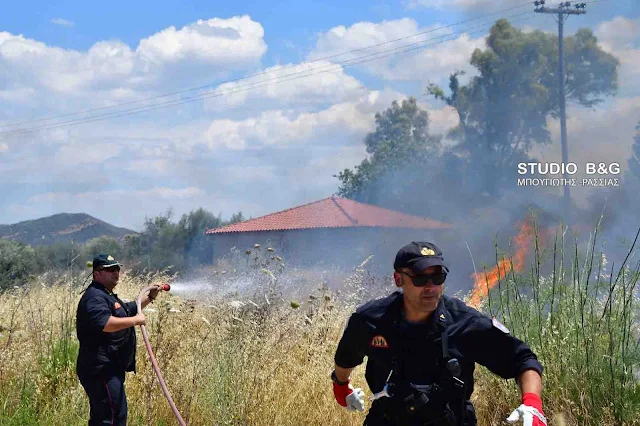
<point x="156" y="369"/>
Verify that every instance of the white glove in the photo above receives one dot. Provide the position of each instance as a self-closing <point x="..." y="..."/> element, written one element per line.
<point x="355" y="400"/>
<point x="530" y="416"/>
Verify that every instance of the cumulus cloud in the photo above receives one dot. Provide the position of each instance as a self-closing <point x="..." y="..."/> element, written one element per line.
<point x="601" y="135"/>
<point x="220" y="44"/>
<point x="289" y="127"/>
<point x="594" y="136"/>
<point x="308" y="83"/>
<point x="619" y="32"/>
<point x="283" y="128"/>
<point x="233" y="41"/>
<point x="261" y="139"/>
<point x="621" y="37"/>
<point x="443" y="49"/>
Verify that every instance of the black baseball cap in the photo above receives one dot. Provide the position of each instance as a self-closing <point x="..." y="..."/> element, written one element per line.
<point x="418" y="256"/>
<point x="102" y="261"/>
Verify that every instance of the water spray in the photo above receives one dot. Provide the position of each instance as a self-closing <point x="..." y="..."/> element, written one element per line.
<point x="156" y="369"/>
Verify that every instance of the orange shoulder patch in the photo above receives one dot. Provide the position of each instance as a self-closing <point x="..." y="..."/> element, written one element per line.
<point x="379" y="342"/>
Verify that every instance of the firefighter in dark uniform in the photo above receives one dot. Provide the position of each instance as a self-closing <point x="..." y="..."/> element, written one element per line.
<point x="105" y="327"/>
<point x="422" y="347"/>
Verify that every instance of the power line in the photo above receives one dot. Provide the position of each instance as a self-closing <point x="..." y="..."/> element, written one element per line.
<point x="256" y="74"/>
<point x="275" y="80"/>
<point x="213" y="94"/>
<point x="562" y="12"/>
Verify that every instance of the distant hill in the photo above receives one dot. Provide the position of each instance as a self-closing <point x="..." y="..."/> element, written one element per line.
<point x="61" y="228"/>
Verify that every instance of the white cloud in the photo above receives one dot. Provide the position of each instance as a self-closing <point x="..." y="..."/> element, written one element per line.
<point x="304" y="130"/>
<point x="230" y="41"/>
<point x="22" y="95"/>
<point x="220" y="44"/>
<point x="289" y="128"/>
<point x="619" y="33"/>
<point x="442" y="51"/>
<point x="621" y="37"/>
<point x="600" y="136"/>
<point x="307" y="83"/>
<point x="76" y="153"/>
<point x="441" y="120"/>
<point x="62" y="22"/>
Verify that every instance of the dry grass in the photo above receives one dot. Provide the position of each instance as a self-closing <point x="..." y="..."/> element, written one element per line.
<point x="264" y="363"/>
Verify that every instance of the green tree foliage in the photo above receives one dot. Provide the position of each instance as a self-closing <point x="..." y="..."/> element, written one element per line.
<point x="401" y="140"/>
<point x="503" y="111"/>
<point x="17" y="263"/>
<point x="58" y="256"/>
<point x="198" y="247"/>
<point x="162" y="245"/>
<point x="175" y="246"/>
<point x="103" y="244"/>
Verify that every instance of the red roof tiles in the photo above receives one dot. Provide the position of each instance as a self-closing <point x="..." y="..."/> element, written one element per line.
<point x="332" y="212"/>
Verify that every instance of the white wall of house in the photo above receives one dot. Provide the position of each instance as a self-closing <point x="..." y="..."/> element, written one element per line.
<point x="343" y="247"/>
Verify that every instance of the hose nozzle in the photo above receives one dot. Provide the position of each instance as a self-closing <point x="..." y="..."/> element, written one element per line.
<point x="166" y="287"/>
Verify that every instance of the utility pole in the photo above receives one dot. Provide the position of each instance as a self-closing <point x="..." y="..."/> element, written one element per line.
<point x="562" y="11"/>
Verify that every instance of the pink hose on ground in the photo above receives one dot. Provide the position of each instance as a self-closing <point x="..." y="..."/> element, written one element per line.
<point x="145" y="336"/>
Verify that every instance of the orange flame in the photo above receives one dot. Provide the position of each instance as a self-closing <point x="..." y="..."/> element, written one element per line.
<point x="483" y="283"/>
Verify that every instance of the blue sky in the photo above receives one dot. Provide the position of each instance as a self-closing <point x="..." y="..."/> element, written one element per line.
<point x="259" y="150"/>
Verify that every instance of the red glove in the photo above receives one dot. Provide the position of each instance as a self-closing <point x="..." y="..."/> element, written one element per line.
<point x="341" y="392"/>
<point x="530" y="412"/>
<point x="348" y="397"/>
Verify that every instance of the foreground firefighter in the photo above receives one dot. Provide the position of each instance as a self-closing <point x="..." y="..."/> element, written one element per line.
<point x="105" y="327"/>
<point x="422" y="347"/>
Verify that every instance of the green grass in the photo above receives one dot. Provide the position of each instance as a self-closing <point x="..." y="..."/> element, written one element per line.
<point x="581" y="320"/>
<point x="269" y="364"/>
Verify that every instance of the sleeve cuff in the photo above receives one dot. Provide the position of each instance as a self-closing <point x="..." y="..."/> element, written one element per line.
<point x="530" y="364"/>
<point x="132" y="307"/>
<point x="102" y="321"/>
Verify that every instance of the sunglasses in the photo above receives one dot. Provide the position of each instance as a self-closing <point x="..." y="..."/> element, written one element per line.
<point x="112" y="269"/>
<point x="421" y="280"/>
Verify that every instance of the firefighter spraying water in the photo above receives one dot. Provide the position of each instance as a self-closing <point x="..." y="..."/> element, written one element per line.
<point x="105" y="329"/>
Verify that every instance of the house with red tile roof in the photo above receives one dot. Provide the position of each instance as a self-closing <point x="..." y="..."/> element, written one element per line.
<point x="331" y="231"/>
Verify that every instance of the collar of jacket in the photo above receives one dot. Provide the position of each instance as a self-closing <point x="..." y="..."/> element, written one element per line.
<point x="438" y="319"/>
<point x="100" y="286"/>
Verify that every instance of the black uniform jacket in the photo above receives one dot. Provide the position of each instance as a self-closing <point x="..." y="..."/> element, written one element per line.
<point x="377" y="330"/>
<point x="103" y="353"/>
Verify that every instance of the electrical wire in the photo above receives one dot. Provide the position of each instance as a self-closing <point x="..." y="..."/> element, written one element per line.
<point x="260" y="73"/>
<point x="272" y="81"/>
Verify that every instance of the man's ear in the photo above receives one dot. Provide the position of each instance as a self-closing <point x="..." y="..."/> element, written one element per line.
<point x="397" y="277"/>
